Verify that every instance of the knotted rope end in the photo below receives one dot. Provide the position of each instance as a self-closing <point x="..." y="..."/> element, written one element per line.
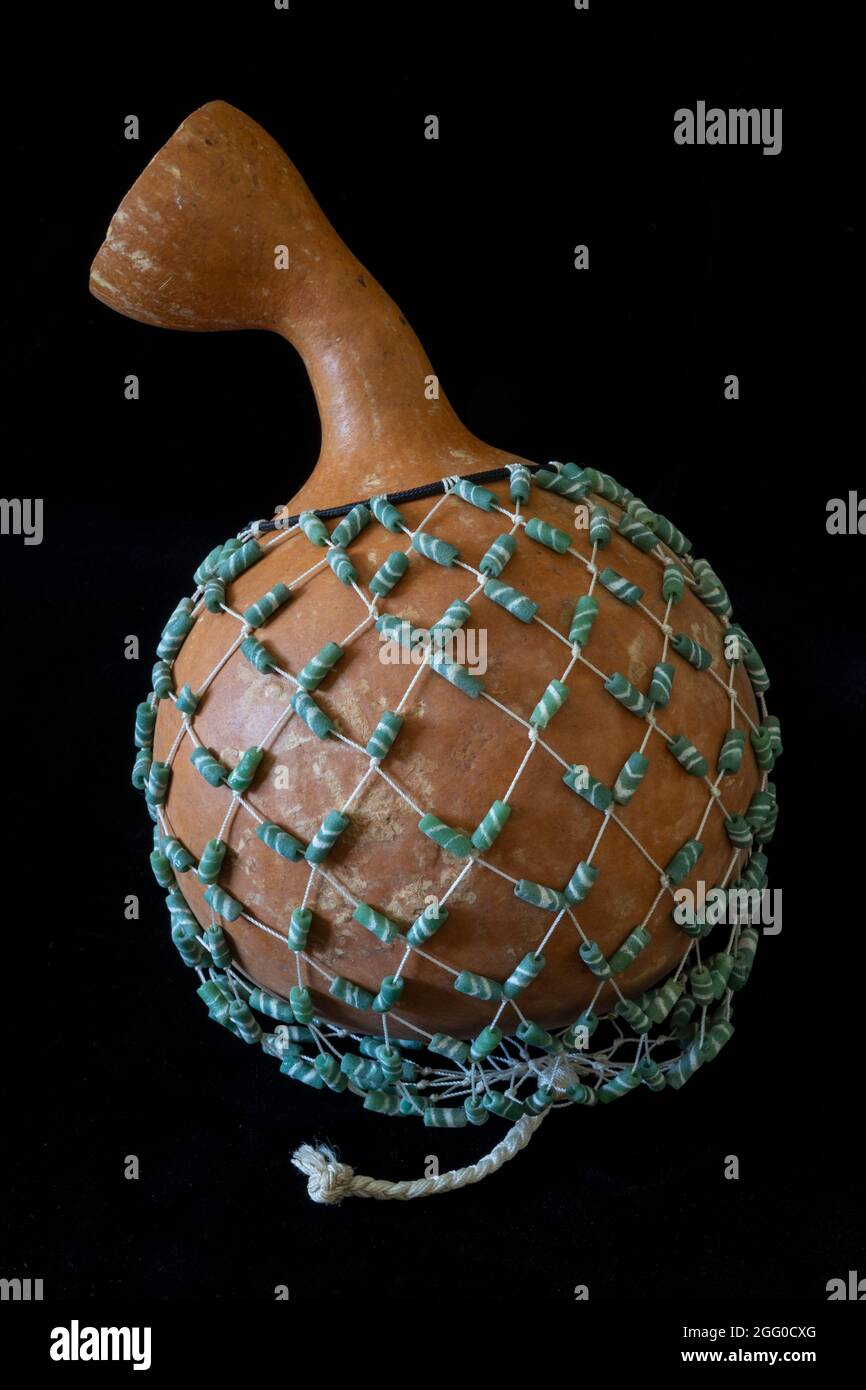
<point x="328" y="1180"/>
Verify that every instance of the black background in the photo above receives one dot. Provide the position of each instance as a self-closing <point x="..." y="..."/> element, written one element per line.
<point x="702" y="262"/>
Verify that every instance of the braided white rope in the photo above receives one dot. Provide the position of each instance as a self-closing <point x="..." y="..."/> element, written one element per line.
<point x="329" y="1181"/>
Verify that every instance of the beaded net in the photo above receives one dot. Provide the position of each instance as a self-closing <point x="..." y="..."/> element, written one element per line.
<point x="657" y="1040"/>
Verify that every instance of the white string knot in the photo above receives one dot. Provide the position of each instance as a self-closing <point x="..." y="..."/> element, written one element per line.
<point x="328" y="1180"/>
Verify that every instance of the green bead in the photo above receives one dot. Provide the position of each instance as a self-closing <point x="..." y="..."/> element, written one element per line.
<point x="145" y="721"/>
<point x="382" y="738"/>
<point x="257" y="654"/>
<point x="452" y="1048"/>
<point x="774" y="728"/>
<point x="599" y="527"/>
<point x="302" y="1004"/>
<point x="241" y="776"/>
<point x="457" y="675"/>
<point x="539" y="895"/>
<point x="688" y="756"/>
<point x="572" y="484"/>
<point x="478" y="986"/>
<point x="187" y="701"/>
<point x="209" y="767"/>
<point x="533" y="1035"/>
<point x="619" y="587"/>
<point x="711" y="591"/>
<point x="582" y="1095"/>
<point x="587" y="1021"/>
<point x="319" y="666"/>
<point x="351" y="525"/>
<point x="479" y="497"/>
<point x="390" y="1061"/>
<point x="590" y="954"/>
<point x="701" y="982"/>
<point x="175" y="630"/>
<point x="593" y="791"/>
<point x="539" y="1101"/>
<point x="454" y="841"/>
<point x="517" y="604"/>
<point x="342" y="566"/>
<point x="265" y="607"/>
<point x="487" y="1041"/>
<point x="731" y="754"/>
<point x="475" y="1112"/>
<point x="214" y="595"/>
<point x="454" y="617"/>
<point x="629" y="778"/>
<point x="744" y="958"/>
<point x="491" y="826"/>
<point x="496" y="557"/>
<point x="141" y="769"/>
<point x="326" y="837"/>
<point x="635" y="507"/>
<point x="667" y="532"/>
<point x="628" y="952"/>
<point x="552" y="700"/>
<point x="211" y="862"/>
<point x="633" y="1014"/>
<point x="673" y="584"/>
<point x="444" y="1117"/>
<point x="386" y="514"/>
<point x="684" y="1067"/>
<point x="207" y="568"/>
<point x="300" y="1070"/>
<point x="581" y="882"/>
<point x="630" y="698"/>
<point x="177" y="855"/>
<point x="585" y="614"/>
<point x="739" y="831"/>
<point x="382" y="1102"/>
<point x="191" y="951"/>
<point x="223" y="904"/>
<point x="763" y="748"/>
<point x="691" y="651"/>
<point x="158" y="779"/>
<point x="386" y="576"/>
<point x="429" y="922"/>
<point x="162" y="870"/>
<point x="390" y="991"/>
<point x="759" y="809"/>
<point x="523" y="974"/>
<point x="315" y="718"/>
<point x="651" y="1074"/>
<point x="662" y="1000"/>
<point x="299" y="928"/>
<point x="376" y="923"/>
<point x="313" y="528"/>
<point x="505" y="1106"/>
<point x="280" y="841"/>
<point x="619" y="1086"/>
<point x="661" y="684"/>
<point x="239" y="561"/>
<point x="547" y="535"/>
<point x="683" y="862"/>
<point x="519" y="482"/>
<point x="432" y="548"/>
<point x="329" y="1069"/>
<point x="161" y="680"/>
<point x="634" y="531"/>
<point x="216" y="943"/>
<point x="715" y="1039"/>
<point x="351" y="993"/>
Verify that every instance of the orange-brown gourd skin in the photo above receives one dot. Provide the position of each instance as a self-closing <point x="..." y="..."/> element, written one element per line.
<point x="192" y="246"/>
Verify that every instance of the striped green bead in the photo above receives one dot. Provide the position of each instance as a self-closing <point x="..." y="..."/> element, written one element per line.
<point x="497" y="555"/>
<point x="444" y="1117"/>
<point x="187" y="701"/>
<point x="539" y="1101"/>
<point x="329" y="1069"/>
<point x="633" y="1014"/>
<point x="713" y="594"/>
<point x="629" y="778"/>
<point x="487" y="1041"/>
<point x="214" y="595"/>
<point x="533" y="1035"/>
<point x="398" y="630"/>
<point x="452" y="1048"/>
<point x="386" y="576"/>
<point x="618" y="1086"/>
<point x="382" y="1102"/>
<point x="720" y="967"/>
<point x="158" y="779"/>
<point x="175" y="630"/>
<point x="214" y="998"/>
<point x="662" y="1000"/>
<point x="681" y="1016"/>
<point x="454" y="617"/>
<point x="364" y="1071"/>
<point x="475" y="1112"/>
<point x="315" y="718"/>
<point x="673" y="584"/>
<point x="480" y="497"/>
<point x="161" y="680"/>
<point x="523" y="974"/>
<point x="596" y="793"/>
<point x="547" y="535"/>
<point x="572" y="485"/>
<point x="326" y="837"/>
<point x="390" y="1061"/>
<point x="211" y="862"/>
<point x="739" y="831"/>
<point x="773" y="725"/>
<point x="141" y="769"/>
<point x="635" y="507"/>
<point x="257" y="654"/>
<point x="691" y="651"/>
<point x="341" y="565"/>
<point x="313" y="528"/>
<point x="621" y="588"/>
<point x="763" y="748"/>
<point x="519" y="481"/>
<point x="630" y="698"/>
<point x="145" y="722"/>
<point x="427" y="924"/>
<point x="552" y="700"/>
<point x="478" y="986"/>
<point x="162" y="870"/>
<point x="386" y="514"/>
<point x="390" y="991"/>
<point x="744" y="958"/>
<point x="319" y="666"/>
<point x="759" y="809"/>
<point x="651" y="1074"/>
<point x="280" y="841"/>
<point x="432" y="548"/>
<point x="680" y="1071"/>
<point x="302" y="1004"/>
<point x="456" y="675"/>
<point x="685" y="859"/>
<point x="581" y="882"/>
<point x="351" y="525"/>
<point x="351" y="993"/>
<point x="239" y="561"/>
<point x="539" y="895"/>
<point x="454" y="841"/>
<point x="636" y="533"/>
<point x="265" y="607"/>
<point x="582" y="1095"/>
<point x="661" y="684"/>
<point x="628" y="952"/>
<point x="216" y="942"/>
<point x="688" y="756"/>
<point x="223" y="904"/>
<point x="591" y="955"/>
<point x="701" y="984"/>
<point x="715" y="1039"/>
<point x="517" y="604"/>
<point x="599" y="527"/>
<point x="382" y="738"/>
<point x="377" y="923"/>
<point x="587" y="1021"/>
<point x="765" y="832"/>
<point x="731" y="754"/>
<point x="177" y="854"/>
<point x="207" y="568"/>
<point x="209" y="767"/>
<point x="300" y="923"/>
<point x="300" y="1070"/>
<point x="190" y="949"/>
<point x="755" y="872"/>
<point x="585" y="614"/>
<point x="507" y="1107"/>
<point x="491" y="826"/>
<point x="671" y="535"/>
<point x="241" y="776"/>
